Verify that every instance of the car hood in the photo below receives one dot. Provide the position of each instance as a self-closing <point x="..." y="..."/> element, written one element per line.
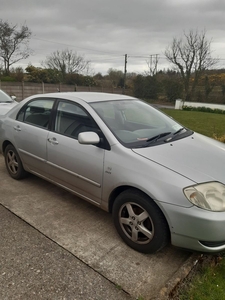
<point x="5" y="107"/>
<point x="196" y="157"/>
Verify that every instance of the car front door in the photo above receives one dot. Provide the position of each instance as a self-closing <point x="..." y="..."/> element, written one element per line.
<point x="77" y="167"/>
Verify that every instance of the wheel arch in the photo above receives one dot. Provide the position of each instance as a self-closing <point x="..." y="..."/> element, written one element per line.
<point x="114" y="194"/>
<point x="4" y="145"/>
<point x="120" y="189"/>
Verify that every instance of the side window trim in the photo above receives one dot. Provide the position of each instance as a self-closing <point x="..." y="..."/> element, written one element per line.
<point x="70" y="117"/>
<point x="83" y="122"/>
<point x="37" y="112"/>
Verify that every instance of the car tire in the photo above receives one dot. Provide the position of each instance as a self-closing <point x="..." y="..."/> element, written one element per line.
<point x="140" y="222"/>
<point x="13" y="163"/>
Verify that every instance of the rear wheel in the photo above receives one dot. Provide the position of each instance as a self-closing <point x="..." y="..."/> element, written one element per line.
<point x="140" y="222"/>
<point x="13" y="163"/>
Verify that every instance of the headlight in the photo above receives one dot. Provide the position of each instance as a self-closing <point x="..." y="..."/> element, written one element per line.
<point x="209" y="196"/>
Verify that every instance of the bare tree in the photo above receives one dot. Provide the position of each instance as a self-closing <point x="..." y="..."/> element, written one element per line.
<point x="66" y="62"/>
<point x="152" y="64"/>
<point x="14" y="44"/>
<point x="191" y="56"/>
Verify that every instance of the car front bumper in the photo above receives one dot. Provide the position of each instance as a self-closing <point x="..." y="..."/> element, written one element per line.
<point x="195" y="228"/>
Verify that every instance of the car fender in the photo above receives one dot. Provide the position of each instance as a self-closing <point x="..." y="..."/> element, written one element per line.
<point x="160" y="183"/>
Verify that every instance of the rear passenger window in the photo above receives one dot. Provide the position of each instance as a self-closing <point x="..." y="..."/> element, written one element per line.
<point x="71" y="119"/>
<point x="36" y="112"/>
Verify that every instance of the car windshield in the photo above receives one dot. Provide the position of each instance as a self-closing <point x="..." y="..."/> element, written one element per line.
<point x="137" y="124"/>
<point x="4" y="98"/>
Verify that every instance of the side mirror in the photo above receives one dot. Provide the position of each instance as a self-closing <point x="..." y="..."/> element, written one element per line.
<point x="88" y="138"/>
<point x="14" y="98"/>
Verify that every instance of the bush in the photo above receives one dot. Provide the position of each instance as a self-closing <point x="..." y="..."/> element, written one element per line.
<point x="173" y="89"/>
<point x="7" y="78"/>
<point x="204" y="109"/>
<point x="146" y="87"/>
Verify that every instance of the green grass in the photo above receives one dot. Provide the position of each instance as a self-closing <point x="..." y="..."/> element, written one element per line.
<point x="201" y="122"/>
<point x="207" y="284"/>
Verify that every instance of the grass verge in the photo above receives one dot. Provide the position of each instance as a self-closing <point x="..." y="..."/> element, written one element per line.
<point x="205" y="123"/>
<point x="205" y="282"/>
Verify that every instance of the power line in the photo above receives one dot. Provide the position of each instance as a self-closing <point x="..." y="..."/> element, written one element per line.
<point x="83" y="48"/>
<point x="113" y="56"/>
<point x="146" y="56"/>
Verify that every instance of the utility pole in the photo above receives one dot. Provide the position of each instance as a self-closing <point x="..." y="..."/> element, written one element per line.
<point x="156" y="63"/>
<point x="152" y="64"/>
<point x="125" y="73"/>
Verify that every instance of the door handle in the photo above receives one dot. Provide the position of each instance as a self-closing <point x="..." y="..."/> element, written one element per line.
<point x="17" y="128"/>
<point x="53" y="141"/>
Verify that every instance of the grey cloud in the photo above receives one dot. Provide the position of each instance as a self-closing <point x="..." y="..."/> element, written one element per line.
<point x="104" y="30"/>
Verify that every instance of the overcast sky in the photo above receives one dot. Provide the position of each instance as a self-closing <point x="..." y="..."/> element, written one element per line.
<point x="103" y="31"/>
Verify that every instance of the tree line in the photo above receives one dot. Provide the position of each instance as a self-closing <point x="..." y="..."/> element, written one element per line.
<point x="190" y="56"/>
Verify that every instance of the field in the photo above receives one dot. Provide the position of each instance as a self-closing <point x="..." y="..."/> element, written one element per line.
<point x="208" y="124"/>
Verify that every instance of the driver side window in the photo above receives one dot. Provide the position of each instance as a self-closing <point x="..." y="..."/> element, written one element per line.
<point x="71" y="119"/>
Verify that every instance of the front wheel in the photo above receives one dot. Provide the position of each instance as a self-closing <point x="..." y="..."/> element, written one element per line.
<point x="13" y="163"/>
<point x="140" y="222"/>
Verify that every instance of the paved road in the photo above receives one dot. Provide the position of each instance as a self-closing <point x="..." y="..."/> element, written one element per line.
<point x="57" y="246"/>
<point x="35" y="267"/>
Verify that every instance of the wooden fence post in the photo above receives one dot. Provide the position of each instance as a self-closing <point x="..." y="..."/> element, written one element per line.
<point x="22" y="90"/>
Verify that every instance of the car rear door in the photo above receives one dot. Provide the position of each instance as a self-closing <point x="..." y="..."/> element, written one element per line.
<point x="31" y="132"/>
<point x="77" y="167"/>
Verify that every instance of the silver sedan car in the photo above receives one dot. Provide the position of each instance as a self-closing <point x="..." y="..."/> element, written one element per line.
<point x="162" y="182"/>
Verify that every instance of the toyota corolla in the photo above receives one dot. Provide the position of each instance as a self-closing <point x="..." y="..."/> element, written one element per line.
<point x="162" y="182"/>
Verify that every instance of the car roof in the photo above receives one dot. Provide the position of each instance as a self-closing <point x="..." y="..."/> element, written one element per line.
<point x="87" y="96"/>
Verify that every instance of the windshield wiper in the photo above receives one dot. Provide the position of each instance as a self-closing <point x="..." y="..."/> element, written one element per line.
<point x="179" y="130"/>
<point x="176" y="133"/>
<point x="158" y="136"/>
